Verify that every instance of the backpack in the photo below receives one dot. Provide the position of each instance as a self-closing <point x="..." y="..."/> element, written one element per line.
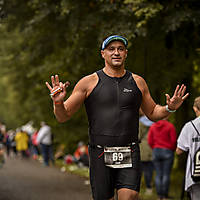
<point x="196" y="172"/>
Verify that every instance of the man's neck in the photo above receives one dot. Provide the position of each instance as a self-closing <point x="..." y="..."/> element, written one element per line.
<point x="118" y="72"/>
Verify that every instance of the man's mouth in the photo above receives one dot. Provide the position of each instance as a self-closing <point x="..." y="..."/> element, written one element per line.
<point x="116" y="59"/>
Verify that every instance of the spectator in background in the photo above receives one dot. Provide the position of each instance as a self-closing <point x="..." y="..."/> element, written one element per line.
<point x="8" y="143"/>
<point x="162" y="139"/>
<point x="2" y="143"/>
<point x="44" y="138"/>
<point x="2" y="133"/>
<point x="2" y="160"/>
<point x="81" y="155"/>
<point x="2" y="136"/>
<point x="12" y="134"/>
<point x="146" y="152"/>
<point x="22" y="141"/>
<point x="189" y="141"/>
<point x="36" y="151"/>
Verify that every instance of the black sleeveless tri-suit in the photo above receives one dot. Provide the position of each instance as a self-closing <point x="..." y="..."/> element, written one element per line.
<point x="113" y="115"/>
<point x="113" y="110"/>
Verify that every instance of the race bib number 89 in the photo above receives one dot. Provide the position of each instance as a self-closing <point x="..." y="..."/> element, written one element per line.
<point x="117" y="157"/>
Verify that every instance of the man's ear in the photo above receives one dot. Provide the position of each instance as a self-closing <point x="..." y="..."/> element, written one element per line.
<point x="102" y="54"/>
<point x="126" y="52"/>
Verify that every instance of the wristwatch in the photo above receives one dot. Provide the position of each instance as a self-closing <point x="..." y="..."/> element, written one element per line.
<point x="168" y="110"/>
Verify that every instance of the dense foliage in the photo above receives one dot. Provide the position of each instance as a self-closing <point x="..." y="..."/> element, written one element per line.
<point x="44" y="37"/>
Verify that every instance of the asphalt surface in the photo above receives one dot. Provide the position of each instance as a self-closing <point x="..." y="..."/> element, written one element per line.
<point x="29" y="180"/>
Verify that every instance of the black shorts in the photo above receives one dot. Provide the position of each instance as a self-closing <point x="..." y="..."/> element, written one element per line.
<point x="104" y="180"/>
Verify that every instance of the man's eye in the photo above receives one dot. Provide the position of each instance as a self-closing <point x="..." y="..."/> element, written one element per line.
<point x="111" y="49"/>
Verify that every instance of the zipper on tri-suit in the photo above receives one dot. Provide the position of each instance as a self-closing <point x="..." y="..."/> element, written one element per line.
<point x="118" y="114"/>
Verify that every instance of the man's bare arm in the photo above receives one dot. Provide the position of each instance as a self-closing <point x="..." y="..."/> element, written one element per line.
<point x="76" y="99"/>
<point x="64" y="110"/>
<point x="154" y="111"/>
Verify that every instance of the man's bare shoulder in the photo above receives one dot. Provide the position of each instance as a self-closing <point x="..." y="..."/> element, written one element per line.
<point x="141" y="83"/>
<point x="87" y="83"/>
<point x="138" y="79"/>
<point x="89" y="79"/>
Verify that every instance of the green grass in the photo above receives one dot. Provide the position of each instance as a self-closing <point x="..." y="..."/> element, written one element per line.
<point x="73" y="168"/>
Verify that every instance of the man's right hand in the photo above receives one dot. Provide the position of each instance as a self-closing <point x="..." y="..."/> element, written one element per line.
<point x="58" y="89"/>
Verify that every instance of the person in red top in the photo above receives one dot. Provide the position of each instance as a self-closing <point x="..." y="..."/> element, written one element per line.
<point x="162" y="139"/>
<point x="36" y="150"/>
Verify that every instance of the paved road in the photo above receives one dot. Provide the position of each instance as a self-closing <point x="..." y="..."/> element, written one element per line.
<point x="29" y="180"/>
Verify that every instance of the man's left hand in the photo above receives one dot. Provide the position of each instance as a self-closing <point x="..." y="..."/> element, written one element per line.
<point x="179" y="96"/>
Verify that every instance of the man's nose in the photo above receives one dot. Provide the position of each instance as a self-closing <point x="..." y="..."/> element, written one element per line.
<point x="116" y="52"/>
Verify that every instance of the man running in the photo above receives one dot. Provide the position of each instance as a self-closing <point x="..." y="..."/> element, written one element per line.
<point x="112" y="97"/>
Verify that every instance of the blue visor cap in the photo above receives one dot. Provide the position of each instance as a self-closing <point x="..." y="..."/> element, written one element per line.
<point x="114" y="38"/>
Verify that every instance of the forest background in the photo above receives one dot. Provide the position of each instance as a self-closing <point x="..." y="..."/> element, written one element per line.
<point x="40" y="38"/>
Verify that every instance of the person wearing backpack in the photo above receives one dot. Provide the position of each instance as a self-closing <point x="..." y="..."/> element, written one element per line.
<point x="189" y="141"/>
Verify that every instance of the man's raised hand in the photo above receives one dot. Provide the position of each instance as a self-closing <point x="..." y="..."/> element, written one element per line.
<point x="58" y="89"/>
<point x="179" y="96"/>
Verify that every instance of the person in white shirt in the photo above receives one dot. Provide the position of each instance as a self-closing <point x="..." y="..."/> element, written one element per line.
<point x="189" y="141"/>
<point x="44" y="138"/>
